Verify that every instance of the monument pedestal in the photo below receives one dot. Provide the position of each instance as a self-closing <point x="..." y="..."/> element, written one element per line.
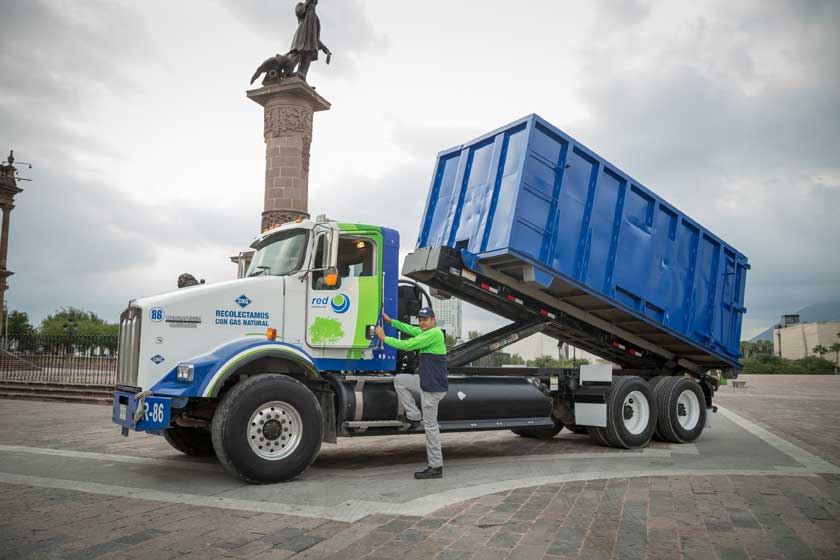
<point x="289" y="106"/>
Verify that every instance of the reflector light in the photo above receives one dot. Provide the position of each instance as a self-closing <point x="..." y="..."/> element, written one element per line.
<point x="271" y="334"/>
<point x="468" y="275"/>
<point x="489" y="288"/>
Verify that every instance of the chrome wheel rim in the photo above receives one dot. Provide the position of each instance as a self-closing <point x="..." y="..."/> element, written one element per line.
<point x="274" y="430"/>
<point x="688" y="409"/>
<point x="636" y="412"/>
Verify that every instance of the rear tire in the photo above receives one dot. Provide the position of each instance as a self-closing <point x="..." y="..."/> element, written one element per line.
<point x="598" y="435"/>
<point x="681" y="408"/>
<point x="539" y="433"/>
<point x="654" y="383"/>
<point x="268" y="428"/>
<point x="195" y="442"/>
<point x="631" y="414"/>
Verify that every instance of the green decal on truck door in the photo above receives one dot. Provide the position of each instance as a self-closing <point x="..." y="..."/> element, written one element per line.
<point x="325" y="331"/>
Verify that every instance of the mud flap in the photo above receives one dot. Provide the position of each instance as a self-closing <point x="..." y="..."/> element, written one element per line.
<point x="591" y="397"/>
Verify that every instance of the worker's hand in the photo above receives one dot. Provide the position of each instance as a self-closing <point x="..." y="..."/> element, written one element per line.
<point x="380" y="333"/>
<point x="386" y="318"/>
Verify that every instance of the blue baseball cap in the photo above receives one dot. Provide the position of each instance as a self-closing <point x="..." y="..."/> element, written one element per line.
<point x="426" y="312"/>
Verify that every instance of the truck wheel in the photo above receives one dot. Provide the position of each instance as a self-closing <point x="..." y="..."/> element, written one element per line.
<point x="598" y="435"/>
<point x="654" y="383"/>
<point x="631" y="414"/>
<point x="267" y="429"/>
<point x="194" y="442"/>
<point x="539" y="433"/>
<point x="682" y="410"/>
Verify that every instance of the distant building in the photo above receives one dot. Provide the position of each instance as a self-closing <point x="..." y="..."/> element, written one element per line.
<point x="793" y="340"/>
<point x="448" y="315"/>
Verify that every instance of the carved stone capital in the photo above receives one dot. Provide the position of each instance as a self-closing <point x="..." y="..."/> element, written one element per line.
<point x="286" y="120"/>
<point x="273" y="217"/>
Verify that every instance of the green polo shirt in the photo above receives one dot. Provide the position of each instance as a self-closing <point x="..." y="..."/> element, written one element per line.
<point x="430" y="341"/>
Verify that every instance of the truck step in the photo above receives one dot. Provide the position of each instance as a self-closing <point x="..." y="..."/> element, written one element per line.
<point x="361" y="427"/>
<point x="376" y="424"/>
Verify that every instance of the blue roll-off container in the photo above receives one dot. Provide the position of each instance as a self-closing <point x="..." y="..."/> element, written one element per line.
<point x="529" y="194"/>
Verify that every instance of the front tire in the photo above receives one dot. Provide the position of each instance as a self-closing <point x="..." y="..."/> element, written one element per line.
<point x="195" y="442"/>
<point x="268" y="428"/>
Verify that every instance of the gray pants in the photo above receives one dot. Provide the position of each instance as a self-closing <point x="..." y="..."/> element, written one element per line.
<point x="408" y="386"/>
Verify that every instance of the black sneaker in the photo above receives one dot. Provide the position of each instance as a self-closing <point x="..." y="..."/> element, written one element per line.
<point x="411" y="425"/>
<point x="430" y="472"/>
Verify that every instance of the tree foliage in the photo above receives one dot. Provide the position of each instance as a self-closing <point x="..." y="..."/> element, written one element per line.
<point x="77" y="322"/>
<point x="750" y="349"/>
<point x="18" y="323"/>
<point x="517" y="360"/>
<point x="770" y="364"/>
<point x="546" y="361"/>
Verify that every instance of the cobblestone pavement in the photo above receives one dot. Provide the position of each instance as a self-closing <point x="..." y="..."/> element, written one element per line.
<point x="54" y="504"/>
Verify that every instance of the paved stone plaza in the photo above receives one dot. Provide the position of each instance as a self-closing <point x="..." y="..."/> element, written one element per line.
<point x="764" y="482"/>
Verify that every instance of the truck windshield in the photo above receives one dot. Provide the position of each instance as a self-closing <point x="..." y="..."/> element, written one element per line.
<point x="279" y="254"/>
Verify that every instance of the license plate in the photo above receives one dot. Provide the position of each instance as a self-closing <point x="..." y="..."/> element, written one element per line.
<point x="155" y="414"/>
<point x="155" y="411"/>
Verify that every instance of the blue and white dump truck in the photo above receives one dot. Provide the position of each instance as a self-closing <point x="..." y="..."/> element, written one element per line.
<point x="525" y="222"/>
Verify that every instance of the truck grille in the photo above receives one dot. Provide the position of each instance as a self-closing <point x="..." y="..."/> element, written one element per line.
<point x="128" y="356"/>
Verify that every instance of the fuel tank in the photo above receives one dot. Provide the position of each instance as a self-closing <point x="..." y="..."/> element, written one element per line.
<point x="371" y="398"/>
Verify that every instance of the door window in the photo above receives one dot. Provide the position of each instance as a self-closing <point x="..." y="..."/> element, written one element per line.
<point x="355" y="260"/>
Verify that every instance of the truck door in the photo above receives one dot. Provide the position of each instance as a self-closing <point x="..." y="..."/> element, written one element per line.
<point x="339" y="316"/>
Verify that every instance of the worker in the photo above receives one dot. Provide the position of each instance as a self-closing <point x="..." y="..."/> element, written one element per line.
<point x="431" y="384"/>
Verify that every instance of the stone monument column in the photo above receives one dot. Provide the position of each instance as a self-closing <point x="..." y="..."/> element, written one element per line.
<point x="289" y="106"/>
<point x="8" y="190"/>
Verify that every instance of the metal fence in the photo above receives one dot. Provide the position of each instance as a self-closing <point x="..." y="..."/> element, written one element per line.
<point x="59" y="359"/>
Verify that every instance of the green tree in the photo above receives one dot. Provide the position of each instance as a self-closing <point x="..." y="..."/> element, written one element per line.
<point x="544" y="361"/>
<point x="18" y="323"/>
<point x="473" y="335"/>
<point x="517" y="360"/>
<point x="751" y="349"/>
<point x="72" y="321"/>
<point x="451" y="341"/>
<point x="79" y="330"/>
<point x="574" y="363"/>
<point x="836" y="349"/>
<point x="820" y="350"/>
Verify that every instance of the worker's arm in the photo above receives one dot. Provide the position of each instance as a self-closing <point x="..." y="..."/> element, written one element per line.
<point x="419" y="342"/>
<point x="410" y="330"/>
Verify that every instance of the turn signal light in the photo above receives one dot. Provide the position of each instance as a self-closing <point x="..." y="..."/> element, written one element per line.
<point x="271" y="334"/>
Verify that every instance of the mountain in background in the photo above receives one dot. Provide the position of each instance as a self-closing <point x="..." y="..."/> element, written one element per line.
<point x="817" y="313"/>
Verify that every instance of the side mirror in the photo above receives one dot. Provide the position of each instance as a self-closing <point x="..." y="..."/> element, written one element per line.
<point x="331" y="277"/>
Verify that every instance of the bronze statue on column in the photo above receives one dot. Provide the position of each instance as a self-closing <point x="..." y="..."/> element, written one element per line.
<point x="306" y="44"/>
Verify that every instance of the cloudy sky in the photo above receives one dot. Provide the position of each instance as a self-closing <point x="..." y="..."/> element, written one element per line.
<point x="148" y="158"/>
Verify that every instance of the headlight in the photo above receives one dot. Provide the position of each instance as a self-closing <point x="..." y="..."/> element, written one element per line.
<point x="185" y="372"/>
